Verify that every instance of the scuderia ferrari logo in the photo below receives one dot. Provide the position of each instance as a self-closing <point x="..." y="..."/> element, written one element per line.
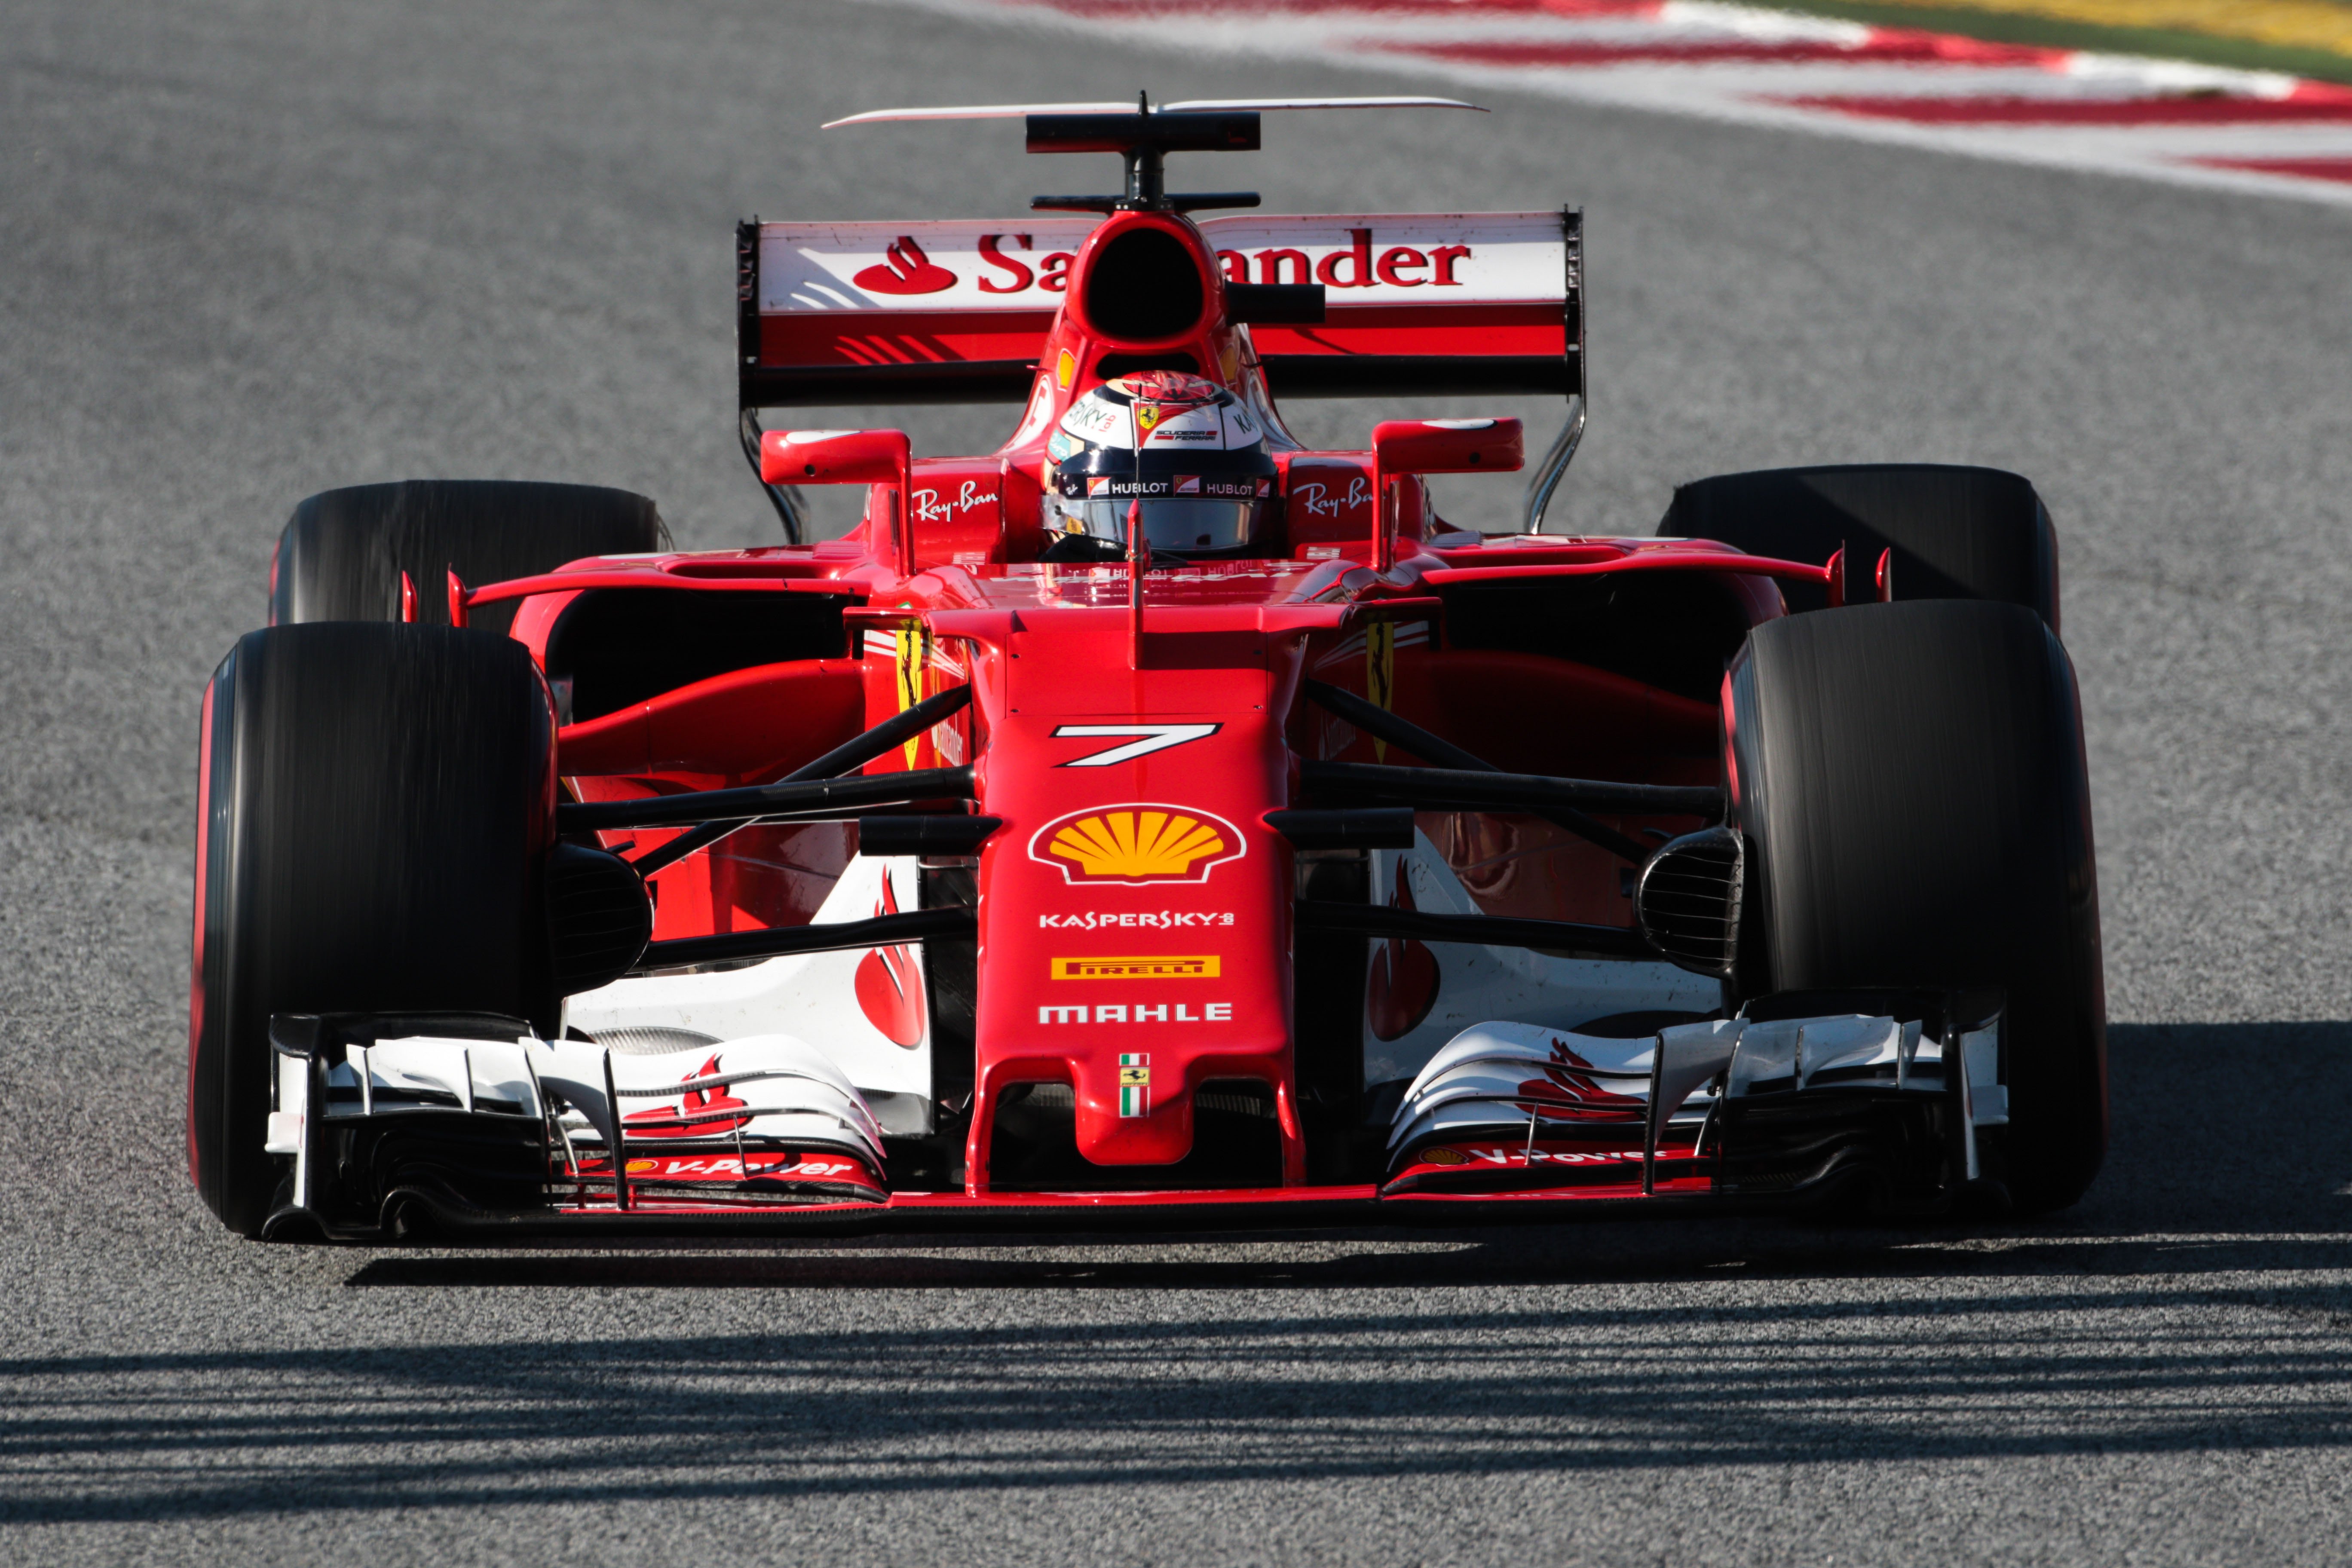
<point x="914" y="655"/>
<point x="1136" y="844"/>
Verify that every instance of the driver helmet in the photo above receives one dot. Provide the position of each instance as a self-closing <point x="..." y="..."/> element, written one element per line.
<point x="1202" y="472"/>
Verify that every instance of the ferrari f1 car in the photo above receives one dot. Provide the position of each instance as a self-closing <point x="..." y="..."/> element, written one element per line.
<point x="1152" y="820"/>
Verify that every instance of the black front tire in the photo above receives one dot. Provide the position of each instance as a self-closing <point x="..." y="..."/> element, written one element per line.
<point x="342" y="552"/>
<point x="1956" y="532"/>
<point x="377" y="805"/>
<point x="1911" y="779"/>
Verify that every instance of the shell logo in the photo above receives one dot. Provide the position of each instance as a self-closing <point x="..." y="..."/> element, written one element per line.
<point x="1136" y="843"/>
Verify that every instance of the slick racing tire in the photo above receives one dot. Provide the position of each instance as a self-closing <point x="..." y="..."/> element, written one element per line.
<point x="342" y="555"/>
<point x="1956" y="532"/>
<point x="375" y="807"/>
<point x="1910" y="779"/>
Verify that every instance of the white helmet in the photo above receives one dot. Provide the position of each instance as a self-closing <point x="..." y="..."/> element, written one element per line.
<point x="1189" y="450"/>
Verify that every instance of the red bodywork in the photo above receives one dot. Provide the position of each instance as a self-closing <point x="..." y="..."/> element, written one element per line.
<point x="1134" y="920"/>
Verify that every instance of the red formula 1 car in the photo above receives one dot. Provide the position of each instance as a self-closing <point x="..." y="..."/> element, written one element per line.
<point x="1153" y="819"/>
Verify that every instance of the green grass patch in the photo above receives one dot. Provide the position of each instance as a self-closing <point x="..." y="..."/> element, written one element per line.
<point x="2008" y="27"/>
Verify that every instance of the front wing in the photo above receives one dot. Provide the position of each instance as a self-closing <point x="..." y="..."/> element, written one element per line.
<point x="472" y="1128"/>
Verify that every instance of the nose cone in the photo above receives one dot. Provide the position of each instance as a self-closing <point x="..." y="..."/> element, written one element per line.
<point x="1134" y="913"/>
<point x="1135" y="1105"/>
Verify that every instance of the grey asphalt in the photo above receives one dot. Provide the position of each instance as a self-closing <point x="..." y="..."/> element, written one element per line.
<point x="253" y="248"/>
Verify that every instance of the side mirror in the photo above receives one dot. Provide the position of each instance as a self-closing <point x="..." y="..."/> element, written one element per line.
<point x="835" y="457"/>
<point x="1402" y="446"/>
<point x="848" y="458"/>
<point x="1448" y="446"/>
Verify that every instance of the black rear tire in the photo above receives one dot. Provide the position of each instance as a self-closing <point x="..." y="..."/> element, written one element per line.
<point x="1957" y="533"/>
<point x="342" y="552"/>
<point x="377" y="805"/>
<point x="1911" y="781"/>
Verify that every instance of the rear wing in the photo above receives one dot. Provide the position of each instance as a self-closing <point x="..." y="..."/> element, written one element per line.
<point x="958" y="311"/>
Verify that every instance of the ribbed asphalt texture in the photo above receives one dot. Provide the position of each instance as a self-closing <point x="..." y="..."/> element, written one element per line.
<point x="255" y="249"/>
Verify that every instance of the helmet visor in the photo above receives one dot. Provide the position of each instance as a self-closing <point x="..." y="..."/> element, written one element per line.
<point x="1184" y="525"/>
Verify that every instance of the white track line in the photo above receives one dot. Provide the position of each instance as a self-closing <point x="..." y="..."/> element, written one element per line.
<point x="2164" y="119"/>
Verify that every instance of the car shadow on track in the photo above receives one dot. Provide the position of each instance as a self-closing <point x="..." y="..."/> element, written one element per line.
<point x="2218" y="1164"/>
<point x="1403" y="1389"/>
<point x="2198" y="1304"/>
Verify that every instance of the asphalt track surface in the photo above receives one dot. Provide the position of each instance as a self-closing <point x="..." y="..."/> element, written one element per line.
<point x="252" y="250"/>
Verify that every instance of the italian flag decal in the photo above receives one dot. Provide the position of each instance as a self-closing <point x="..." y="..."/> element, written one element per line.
<point x="1134" y="1084"/>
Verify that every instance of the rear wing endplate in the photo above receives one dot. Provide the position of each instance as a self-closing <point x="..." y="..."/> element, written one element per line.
<point x="958" y="311"/>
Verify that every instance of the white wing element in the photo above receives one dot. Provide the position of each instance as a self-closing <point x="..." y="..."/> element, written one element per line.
<point x="1481" y="1075"/>
<point x="780" y="1087"/>
<point x="1221" y="105"/>
<point x="788" y="1089"/>
<point x="1194" y="105"/>
<point x="975" y="111"/>
<point x="1505" y="1072"/>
